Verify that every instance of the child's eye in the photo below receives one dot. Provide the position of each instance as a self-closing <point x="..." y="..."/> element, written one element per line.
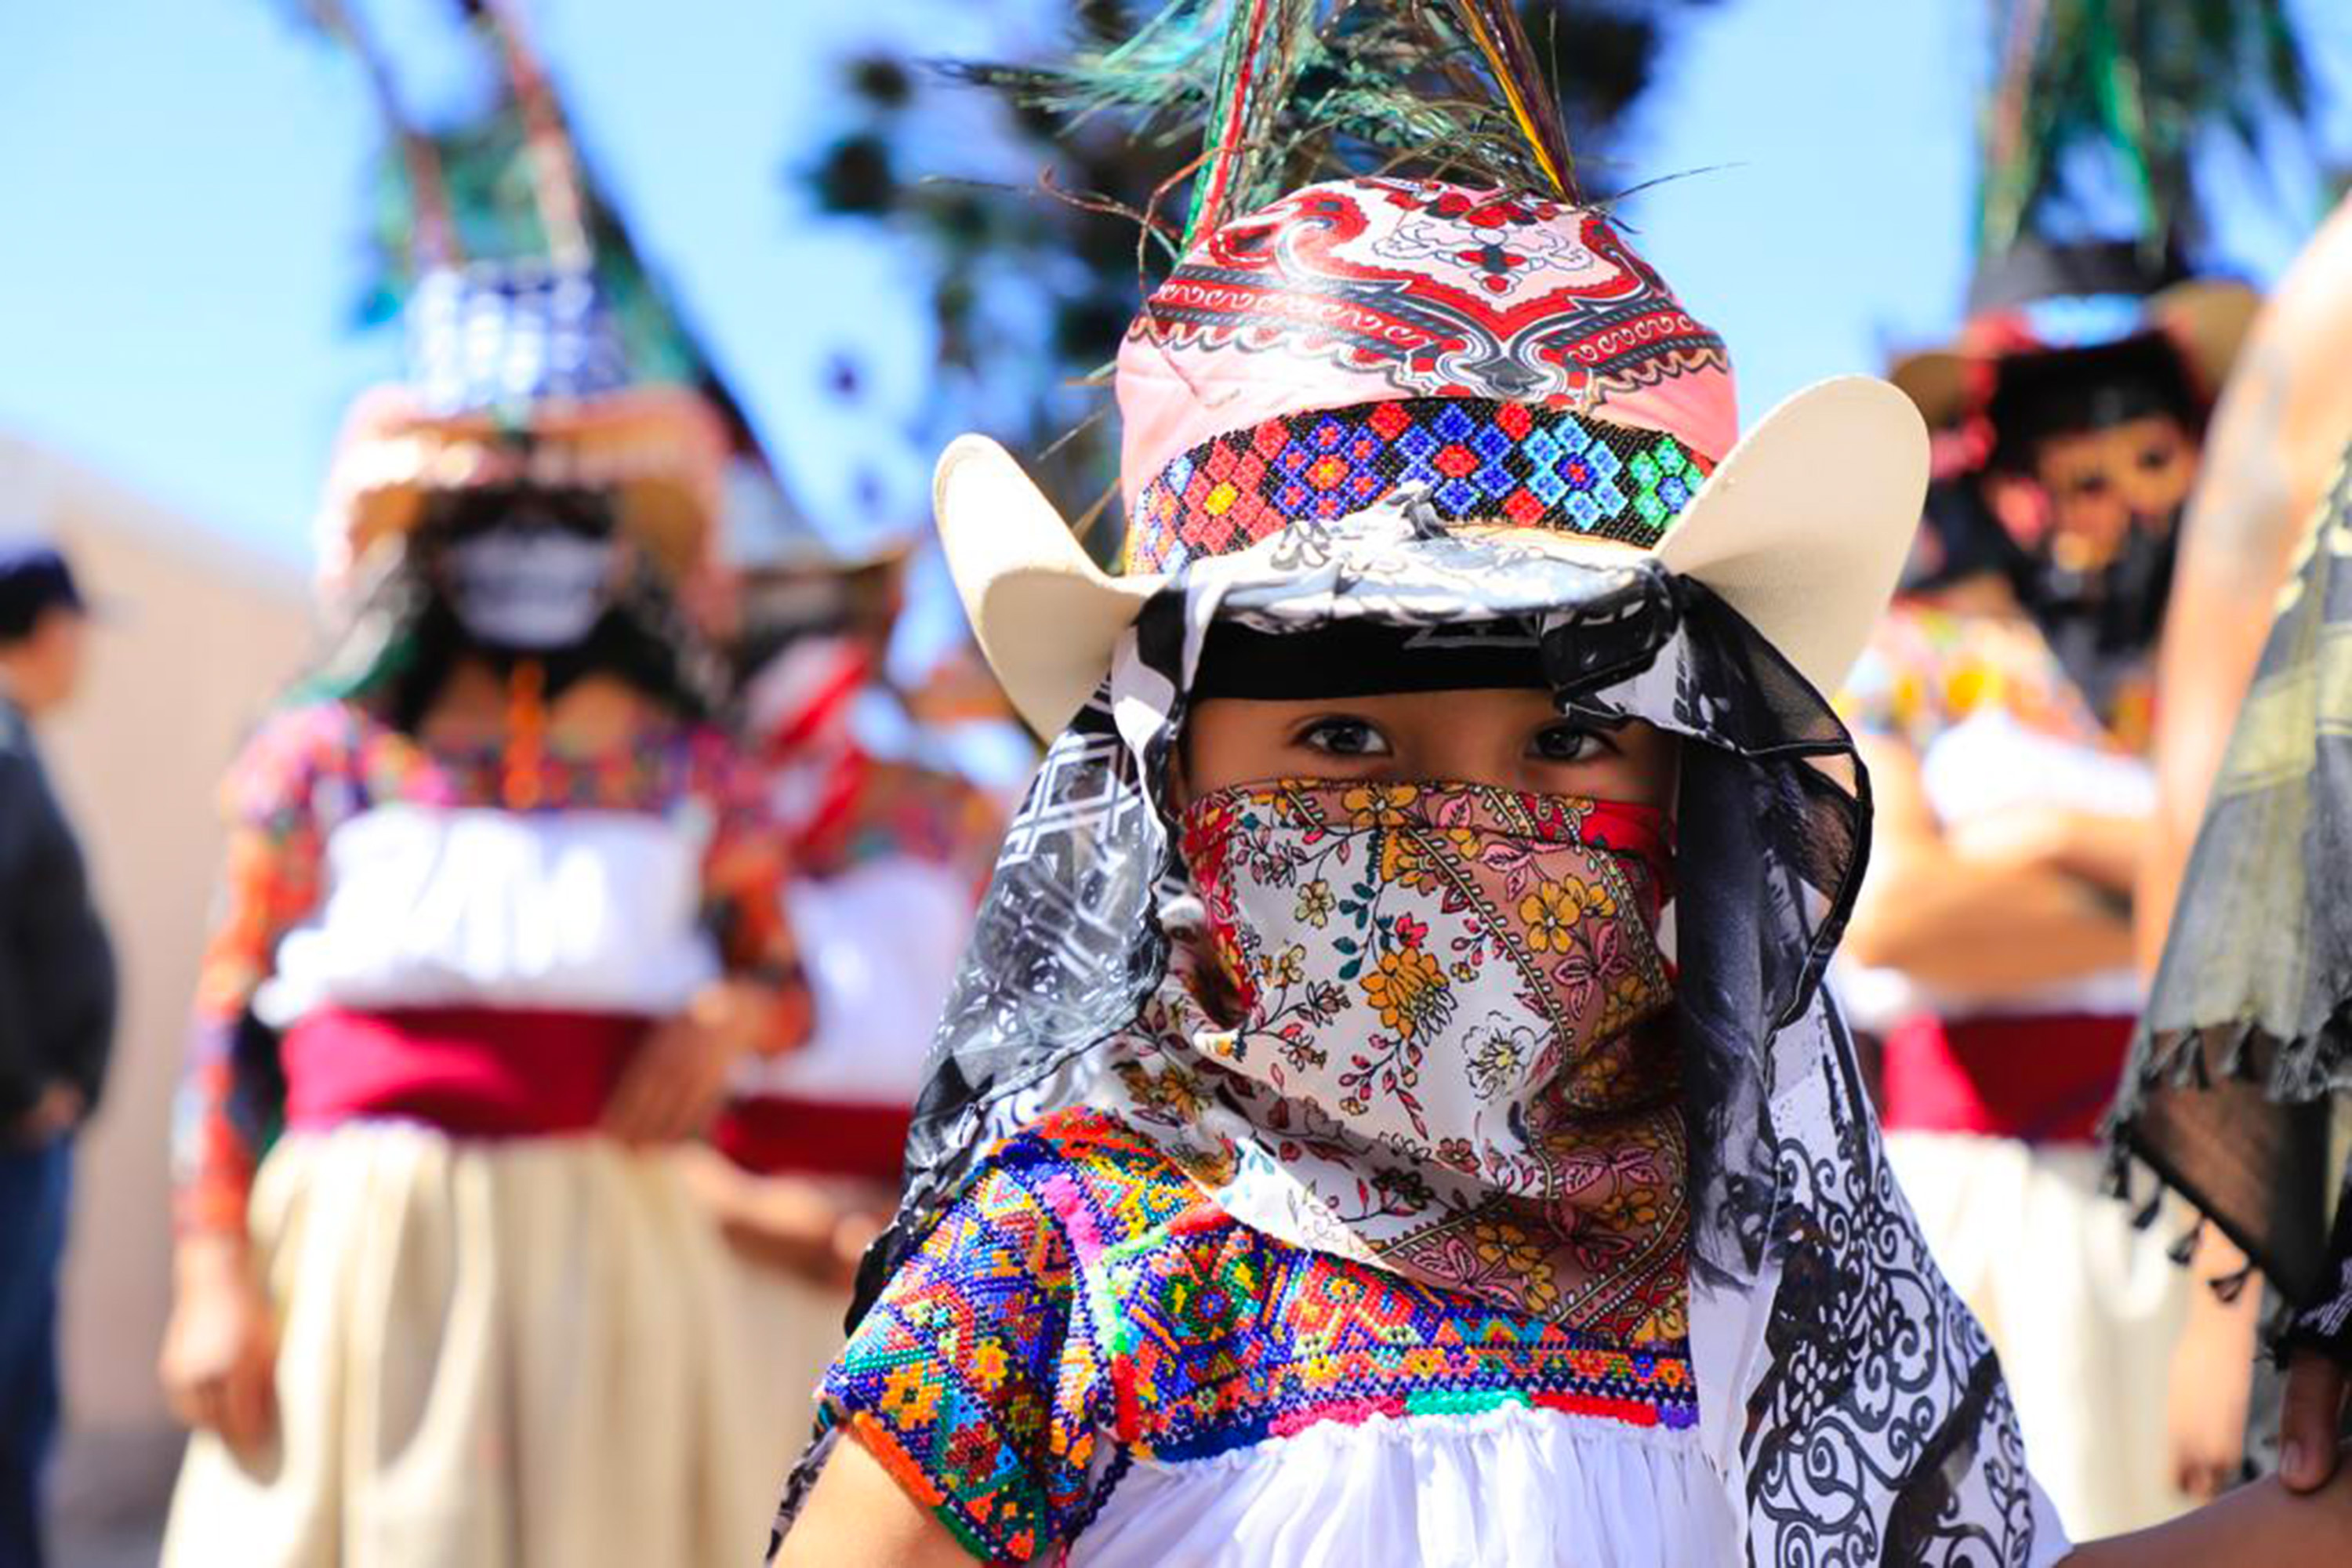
<point x="1567" y="742"/>
<point x="1343" y="738"/>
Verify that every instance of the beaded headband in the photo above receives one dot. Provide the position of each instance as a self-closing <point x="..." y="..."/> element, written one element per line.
<point x="1536" y="468"/>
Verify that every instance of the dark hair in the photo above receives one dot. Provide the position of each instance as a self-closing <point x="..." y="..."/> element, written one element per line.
<point x="620" y="644"/>
<point x="34" y="582"/>
<point x="1959" y="539"/>
<point x="2038" y="397"/>
<point x="17" y="625"/>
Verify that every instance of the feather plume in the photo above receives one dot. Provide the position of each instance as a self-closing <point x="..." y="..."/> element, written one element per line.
<point x="1266" y="43"/>
<point x="432" y="238"/>
<point x="1495" y="28"/>
<point x="2140" y="82"/>
<point x="1283" y="92"/>
<point x="554" y="161"/>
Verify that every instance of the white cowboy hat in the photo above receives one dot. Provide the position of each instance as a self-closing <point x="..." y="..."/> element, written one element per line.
<point x="1802" y="529"/>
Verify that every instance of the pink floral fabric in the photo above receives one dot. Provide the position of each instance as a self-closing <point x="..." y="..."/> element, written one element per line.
<point x="1427" y="1028"/>
<point x="1364" y="290"/>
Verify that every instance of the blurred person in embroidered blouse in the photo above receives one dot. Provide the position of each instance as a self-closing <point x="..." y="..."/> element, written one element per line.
<point x="2004" y="708"/>
<point x="502" y="914"/>
<point x="891" y="844"/>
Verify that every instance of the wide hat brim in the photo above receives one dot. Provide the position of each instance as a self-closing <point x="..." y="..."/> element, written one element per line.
<point x="659" y="450"/>
<point x="1803" y="529"/>
<point x="2208" y="320"/>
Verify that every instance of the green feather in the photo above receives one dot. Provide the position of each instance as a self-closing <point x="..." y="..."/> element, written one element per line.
<point x="2142" y="83"/>
<point x="1280" y="93"/>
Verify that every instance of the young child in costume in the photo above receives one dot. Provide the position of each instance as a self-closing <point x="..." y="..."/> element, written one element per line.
<point x="502" y="913"/>
<point x="2003" y="708"/>
<point x="1390" y="1113"/>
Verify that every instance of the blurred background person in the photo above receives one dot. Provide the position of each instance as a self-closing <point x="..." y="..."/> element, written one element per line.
<point x="2008" y="704"/>
<point x="57" y="1022"/>
<point x="864" y="780"/>
<point x="2003" y="710"/>
<point x="892" y="844"/>
<point x="2228" y="1101"/>
<point x="502" y="913"/>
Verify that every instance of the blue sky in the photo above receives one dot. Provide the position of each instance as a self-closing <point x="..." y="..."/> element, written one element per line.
<point x="183" y="244"/>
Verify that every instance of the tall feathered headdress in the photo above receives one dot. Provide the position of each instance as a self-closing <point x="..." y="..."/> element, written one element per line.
<point x="512" y="181"/>
<point x="1281" y="92"/>
<point x="2141" y="82"/>
<point x="539" y="353"/>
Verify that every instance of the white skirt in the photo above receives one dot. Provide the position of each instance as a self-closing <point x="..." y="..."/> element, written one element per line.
<point x="523" y="1353"/>
<point x="1510" y="1488"/>
<point x="2083" y="1309"/>
<point x="796" y="1334"/>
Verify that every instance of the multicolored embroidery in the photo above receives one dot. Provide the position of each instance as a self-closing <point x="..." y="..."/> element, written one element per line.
<point x="344" y="757"/>
<point x="1083" y="1300"/>
<point x="1928" y="668"/>
<point x="311" y="767"/>
<point x="1502" y="462"/>
<point x="876" y="808"/>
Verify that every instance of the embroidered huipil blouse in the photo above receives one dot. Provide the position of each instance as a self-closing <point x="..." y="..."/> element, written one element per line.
<point x="1996" y="721"/>
<point x="1086" y="1354"/>
<point x="368" y="873"/>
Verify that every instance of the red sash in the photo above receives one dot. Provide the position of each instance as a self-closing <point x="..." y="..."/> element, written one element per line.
<point x="772" y="1135"/>
<point x="480" y="1072"/>
<point x="2046" y="1079"/>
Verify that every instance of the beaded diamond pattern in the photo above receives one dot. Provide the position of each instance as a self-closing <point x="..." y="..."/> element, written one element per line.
<point x="1498" y="462"/>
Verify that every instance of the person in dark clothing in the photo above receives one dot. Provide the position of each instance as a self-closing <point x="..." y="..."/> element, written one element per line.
<point x="57" y="1023"/>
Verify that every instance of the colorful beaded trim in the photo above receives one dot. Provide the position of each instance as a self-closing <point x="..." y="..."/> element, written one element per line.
<point x="1502" y="462"/>
<point x="1216" y="1338"/>
<point x="1083" y="1293"/>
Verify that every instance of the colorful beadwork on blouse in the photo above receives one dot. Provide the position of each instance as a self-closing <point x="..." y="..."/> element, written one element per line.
<point x="313" y="766"/>
<point x="1085" y="1302"/>
<point x="1928" y="668"/>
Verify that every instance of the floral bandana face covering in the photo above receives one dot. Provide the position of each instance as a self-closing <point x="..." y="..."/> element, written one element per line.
<point x="1426" y="1026"/>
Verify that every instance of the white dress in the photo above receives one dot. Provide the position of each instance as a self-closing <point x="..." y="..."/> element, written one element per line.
<point x="1510" y="1488"/>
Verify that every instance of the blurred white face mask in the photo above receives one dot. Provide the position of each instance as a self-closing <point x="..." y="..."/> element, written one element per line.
<point x="529" y="588"/>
